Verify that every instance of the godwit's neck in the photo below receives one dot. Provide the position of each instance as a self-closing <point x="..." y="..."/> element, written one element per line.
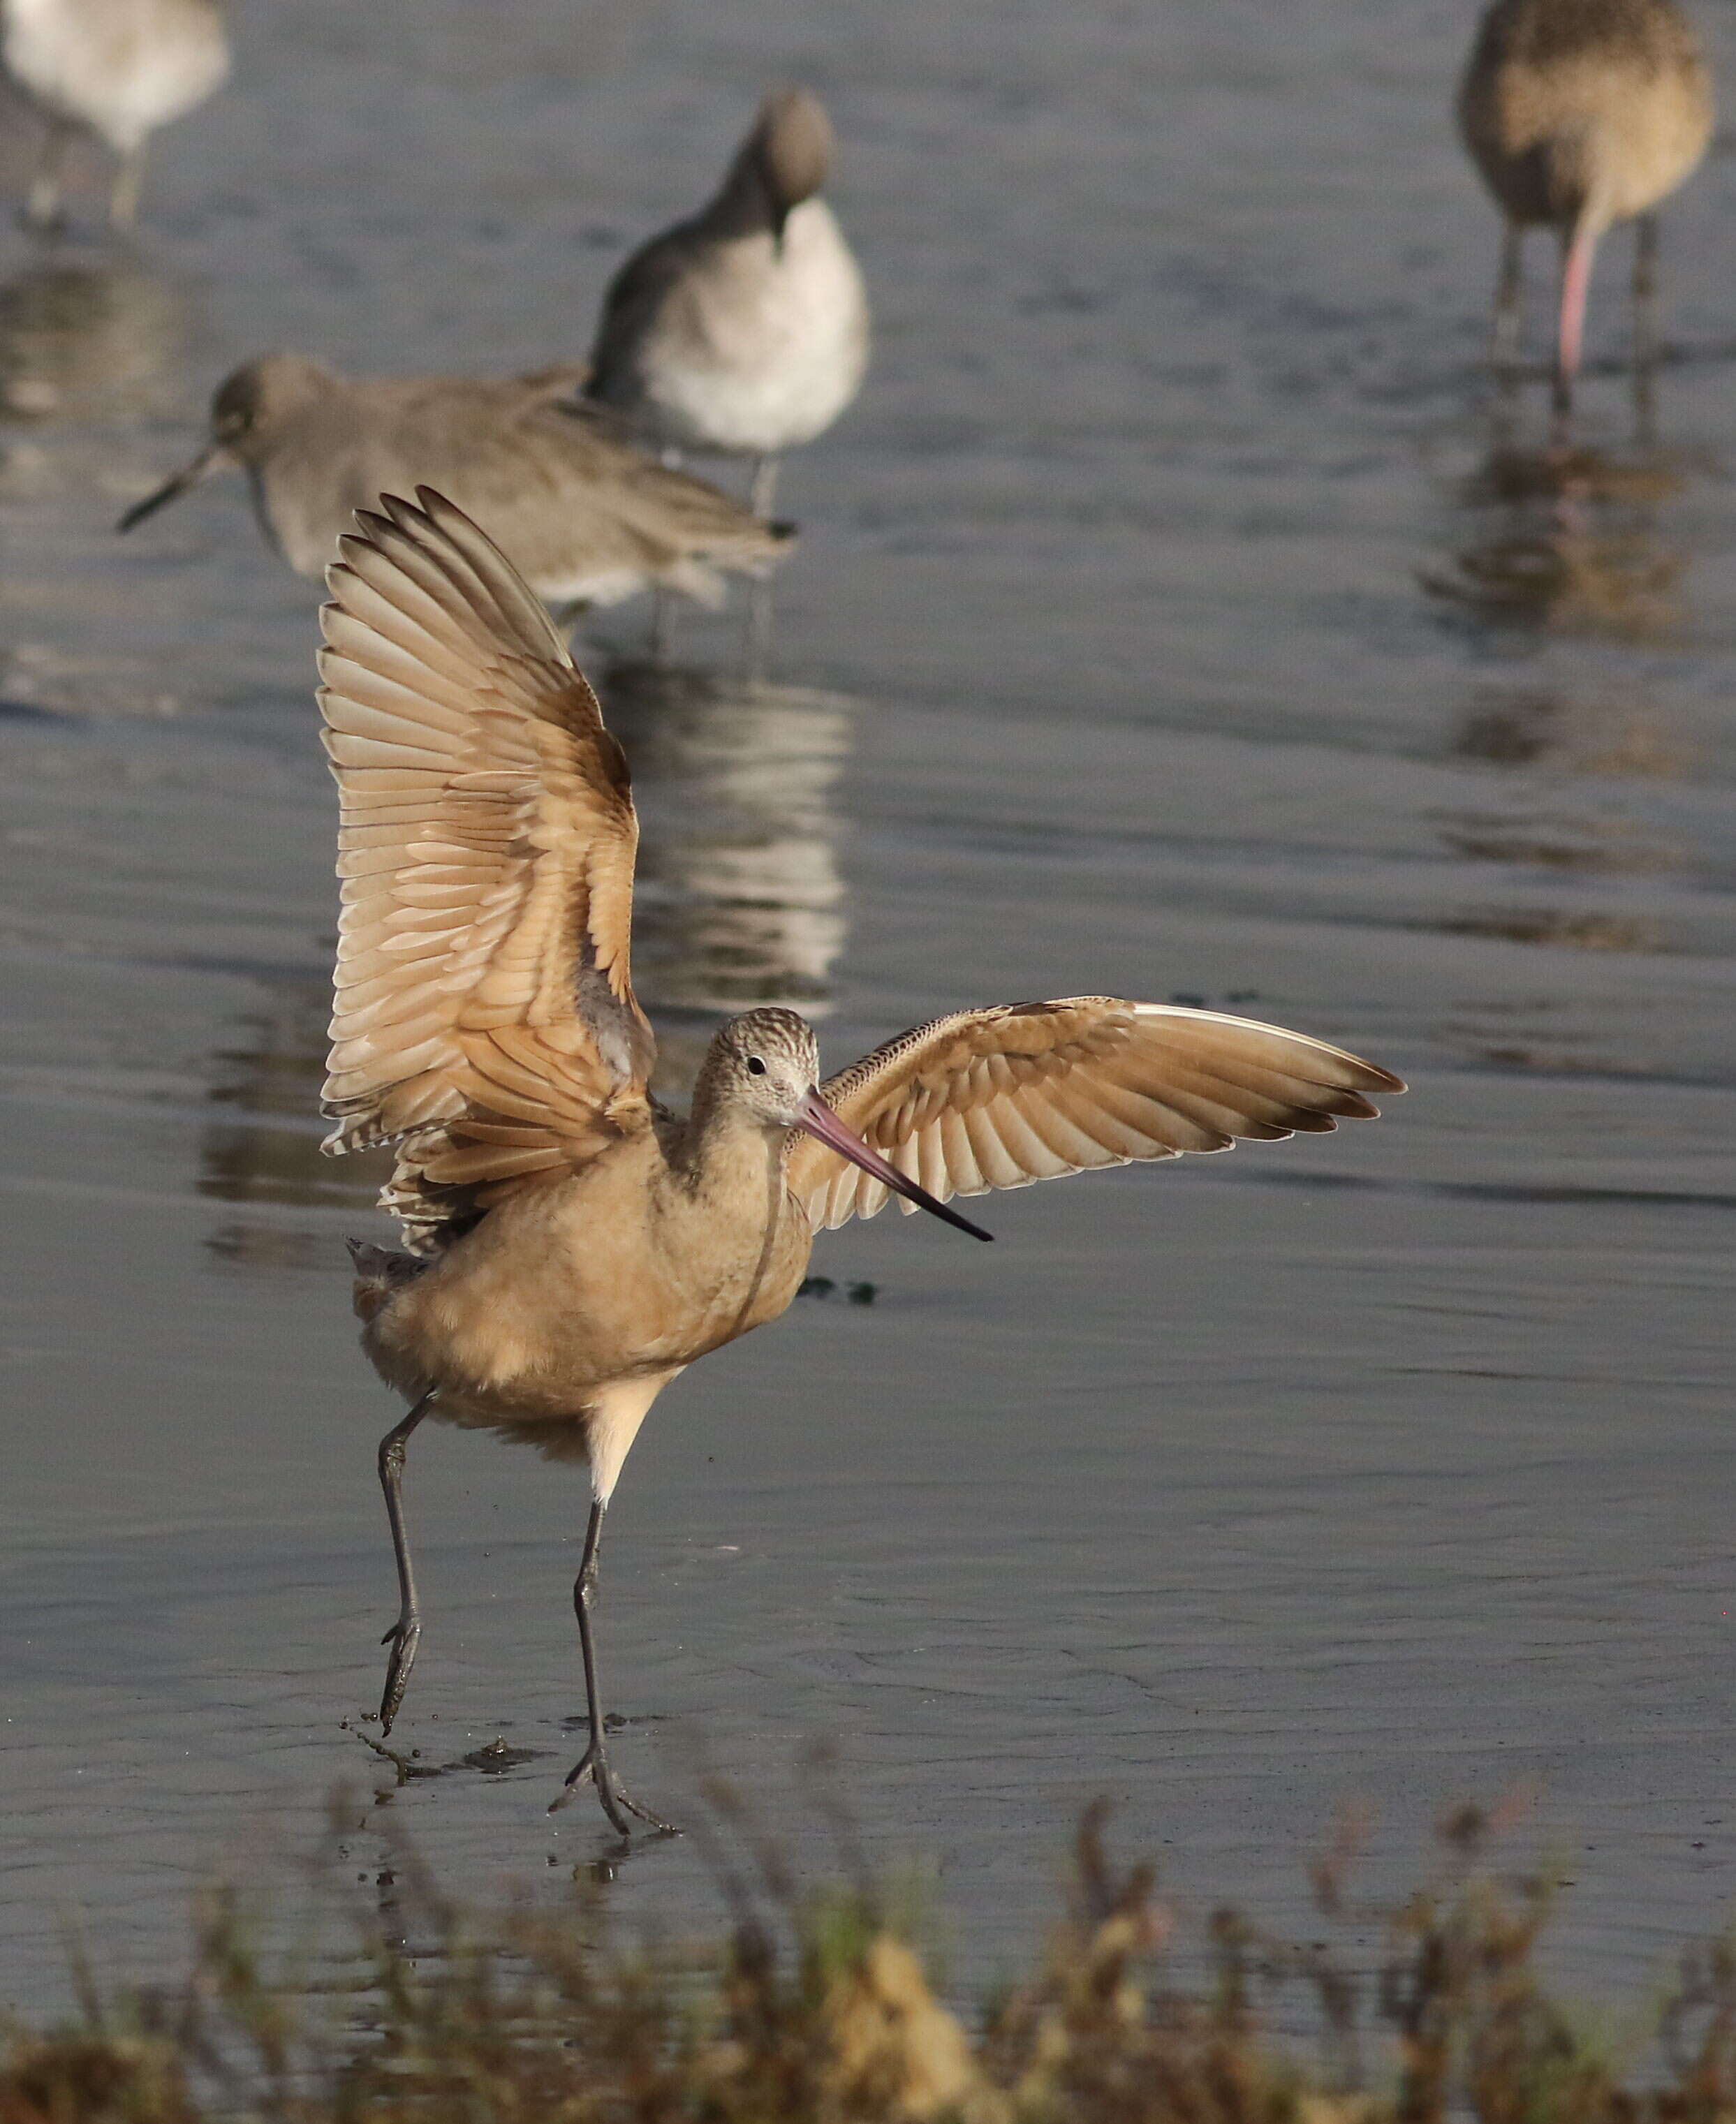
<point x="730" y="1165"/>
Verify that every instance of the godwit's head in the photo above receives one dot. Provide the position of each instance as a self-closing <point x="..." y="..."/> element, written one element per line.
<point x="765" y="1065"/>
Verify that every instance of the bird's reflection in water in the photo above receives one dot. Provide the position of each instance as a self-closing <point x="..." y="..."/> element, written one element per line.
<point x="739" y="903"/>
<point x="739" y="900"/>
<point x="1559" y="848"/>
<point x="259" y="1151"/>
<point x="1567" y="541"/>
<point x="91" y="339"/>
<point x="1528" y="726"/>
<point x="1567" y="538"/>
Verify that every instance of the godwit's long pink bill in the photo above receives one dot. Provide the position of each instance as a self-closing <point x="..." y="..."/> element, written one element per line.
<point x="817" y="1119"/>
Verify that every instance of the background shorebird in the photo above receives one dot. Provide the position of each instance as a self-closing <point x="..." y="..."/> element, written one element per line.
<point x="1579" y="114"/>
<point x="116" y="69"/>
<point x="585" y="517"/>
<point x="573" y="1245"/>
<point x="745" y="330"/>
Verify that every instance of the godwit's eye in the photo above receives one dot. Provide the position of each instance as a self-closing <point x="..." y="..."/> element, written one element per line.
<point x="755" y="1067"/>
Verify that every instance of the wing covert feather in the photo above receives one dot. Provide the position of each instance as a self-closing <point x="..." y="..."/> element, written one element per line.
<point x="483" y="1013"/>
<point x="1003" y="1097"/>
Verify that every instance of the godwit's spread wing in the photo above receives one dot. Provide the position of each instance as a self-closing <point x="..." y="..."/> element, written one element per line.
<point x="1023" y="1092"/>
<point x="484" y="1017"/>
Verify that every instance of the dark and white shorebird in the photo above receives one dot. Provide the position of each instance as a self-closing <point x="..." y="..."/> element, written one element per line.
<point x="744" y="331"/>
<point x="116" y="69"/>
<point x="1579" y="114"/>
<point x="572" y="1246"/>
<point x="585" y="517"/>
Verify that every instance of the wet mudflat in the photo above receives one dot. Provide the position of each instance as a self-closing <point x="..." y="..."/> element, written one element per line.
<point x="1172" y="618"/>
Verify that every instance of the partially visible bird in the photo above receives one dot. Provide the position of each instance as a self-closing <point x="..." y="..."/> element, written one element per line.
<point x="116" y="69"/>
<point x="744" y="331"/>
<point x="571" y="1245"/>
<point x="1579" y="114"/>
<point x="586" y="517"/>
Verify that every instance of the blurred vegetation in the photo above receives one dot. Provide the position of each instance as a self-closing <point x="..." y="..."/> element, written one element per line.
<point x="818" y="2008"/>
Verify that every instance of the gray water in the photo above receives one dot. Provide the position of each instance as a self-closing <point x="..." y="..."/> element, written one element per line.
<point x="1171" y="619"/>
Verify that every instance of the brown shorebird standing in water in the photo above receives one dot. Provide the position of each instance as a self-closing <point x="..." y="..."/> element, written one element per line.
<point x="572" y="1246"/>
<point x="586" y="518"/>
<point x="116" y="69"/>
<point x="1580" y="113"/>
<point x="744" y="331"/>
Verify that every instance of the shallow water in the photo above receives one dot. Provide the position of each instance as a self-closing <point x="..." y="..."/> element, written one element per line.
<point x="1172" y="618"/>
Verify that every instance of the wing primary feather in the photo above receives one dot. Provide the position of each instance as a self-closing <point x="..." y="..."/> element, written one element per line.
<point x="483" y="1013"/>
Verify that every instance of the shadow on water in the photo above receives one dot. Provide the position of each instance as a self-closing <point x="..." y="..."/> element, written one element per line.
<point x="739" y="903"/>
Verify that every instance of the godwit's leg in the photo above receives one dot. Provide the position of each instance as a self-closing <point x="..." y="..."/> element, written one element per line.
<point x="1504" y="338"/>
<point x="42" y="202"/>
<point x="594" y="1764"/>
<point x="763" y="485"/>
<point x="406" y="1633"/>
<point x="124" y="193"/>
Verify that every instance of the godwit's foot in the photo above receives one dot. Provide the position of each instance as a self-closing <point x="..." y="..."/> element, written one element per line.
<point x="403" y="1637"/>
<point x="617" y="1801"/>
<point x="405" y="1634"/>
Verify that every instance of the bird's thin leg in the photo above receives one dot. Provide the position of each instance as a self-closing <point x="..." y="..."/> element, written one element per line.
<point x="594" y="1764"/>
<point x="1645" y="323"/>
<point x="42" y="207"/>
<point x="1645" y="289"/>
<point x="124" y="193"/>
<point x="763" y="485"/>
<point x="406" y="1633"/>
<point x="1504" y="338"/>
<point x="656" y="644"/>
<point x="757" y="635"/>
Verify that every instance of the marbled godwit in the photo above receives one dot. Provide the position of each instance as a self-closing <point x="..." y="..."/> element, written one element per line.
<point x="1580" y="113"/>
<point x="572" y="1246"/>
<point x="585" y="517"/>
<point x="118" y="69"/>
<point x="745" y="330"/>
